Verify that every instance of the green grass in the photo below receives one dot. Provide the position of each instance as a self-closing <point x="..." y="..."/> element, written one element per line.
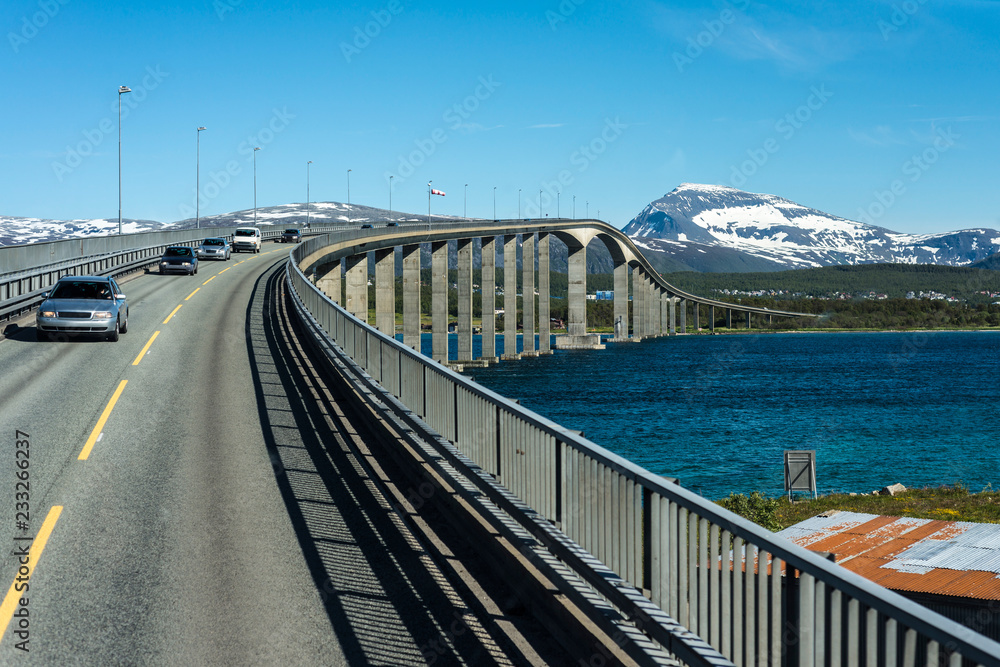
<point x="948" y="503"/>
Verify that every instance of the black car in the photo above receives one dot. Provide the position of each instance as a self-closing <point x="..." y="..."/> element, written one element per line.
<point x="291" y="236"/>
<point x="179" y="258"/>
<point x="393" y="224"/>
<point x="366" y="226"/>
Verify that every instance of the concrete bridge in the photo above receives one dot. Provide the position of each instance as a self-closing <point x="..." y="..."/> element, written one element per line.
<point x="250" y="452"/>
<point x="658" y="308"/>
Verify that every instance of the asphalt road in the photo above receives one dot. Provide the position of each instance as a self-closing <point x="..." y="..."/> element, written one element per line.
<point x="227" y="511"/>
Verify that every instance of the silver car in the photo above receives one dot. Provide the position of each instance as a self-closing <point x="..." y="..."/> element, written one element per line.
<point x="214" y="249"/>
<point x="83" y="305"/>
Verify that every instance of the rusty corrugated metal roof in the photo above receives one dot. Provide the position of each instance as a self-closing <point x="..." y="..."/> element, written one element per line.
<point x="954" y="558"/>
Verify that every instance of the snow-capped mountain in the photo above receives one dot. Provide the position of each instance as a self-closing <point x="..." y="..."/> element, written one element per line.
<point x="37" y="230"/>
<point x="713" y="228"/>
<point x="14" y="230"/>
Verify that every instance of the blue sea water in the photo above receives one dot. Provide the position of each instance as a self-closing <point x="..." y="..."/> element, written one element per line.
<point x="718" y="411"/>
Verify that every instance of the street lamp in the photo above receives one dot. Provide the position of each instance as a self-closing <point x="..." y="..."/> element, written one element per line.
<point x="494" y="202"/>
<point x="519" y="203"/>
<point x="390" y="195"/>
<point x="557" y="202"/>
<point x="121" y="89"/>
<point x="574" y="207"/>
<point x="465" y="205"/>
<point x="586" y="215"/>
<point x="256" y="148"/>
<point x="540" y="205"/>
<point x="307" y="192"/>
<point x="197" y="183"/>
<point x="349" y="195"/>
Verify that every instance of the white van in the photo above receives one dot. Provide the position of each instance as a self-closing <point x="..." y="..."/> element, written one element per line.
<point x="246" y="238"/>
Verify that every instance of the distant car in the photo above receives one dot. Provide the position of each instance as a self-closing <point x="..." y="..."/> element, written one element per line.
<point x="83" y="305"/>
<point x="247" y="238"/>
<point x="291" y="236"/>
<point x="393" y="224"/>
<point x="214" y="249"/>
<point x="366" y="226"/>
<point x="179" y="258"/>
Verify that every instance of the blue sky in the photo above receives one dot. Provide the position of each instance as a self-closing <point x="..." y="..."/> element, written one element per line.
<point x="881" y="111"/>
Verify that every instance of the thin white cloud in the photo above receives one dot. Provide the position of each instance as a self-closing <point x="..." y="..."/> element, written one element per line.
<point x="541" y="126"/>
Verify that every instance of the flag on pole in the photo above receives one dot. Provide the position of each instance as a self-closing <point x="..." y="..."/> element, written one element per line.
<point x="437" y="192"/>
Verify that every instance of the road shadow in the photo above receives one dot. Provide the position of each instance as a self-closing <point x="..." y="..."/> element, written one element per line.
<point x="387" y="600"/>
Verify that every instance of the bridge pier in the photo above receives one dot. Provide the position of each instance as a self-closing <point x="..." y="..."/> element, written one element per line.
<point x="653" y="307"/>
<point x="577" y="337"/>
<point x="464" y="351"/>
<point x="544" y="296"/>
<point x="510" y="297"/>
<point x="357" y="286"/>
<point x="697" y="316"/>
<point x="683" y="314"/>
<point x="672" y="324"/>
<point x="729" y="318"/>
<point x="637" y="304"/>
<point x="621" y="301"/>
<point x="330" y="283"/>
<point x="748" y="319"/>
<point x="385" y="291"/>
<point x="488" y="284"/>
<point x="528" y="295"/>
<point x="411" y="296"/>
<point x="439" y="301"/>
<point x="711" y="319"/>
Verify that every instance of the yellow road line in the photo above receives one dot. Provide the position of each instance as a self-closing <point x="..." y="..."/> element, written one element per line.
<point x="224" y="270"/>
<point x="12" y="599"/>
<point x="209" y="280"/>
<point x="145" y="349"/>
<point x="192" y="293"/>
<point x="100" y="422"/>
<point x="172" y="314"/>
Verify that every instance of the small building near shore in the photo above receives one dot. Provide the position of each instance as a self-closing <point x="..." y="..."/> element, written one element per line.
<point x="951" y="567"/>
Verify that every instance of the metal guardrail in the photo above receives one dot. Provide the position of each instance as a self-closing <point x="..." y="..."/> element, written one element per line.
<point x="22" y="289"/>
<point x="755" y="598"/>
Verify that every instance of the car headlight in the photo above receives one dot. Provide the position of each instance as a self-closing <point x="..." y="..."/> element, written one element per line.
<point x="47" y="313"/>
<point x="102" y="316"/>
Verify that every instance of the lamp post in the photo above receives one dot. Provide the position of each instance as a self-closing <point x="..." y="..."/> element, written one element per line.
<point x="494" y="202"/>
<point x="349" y="195"/>
<point x="197" y="183"/>
<point x="519" y="203"/>
<point x="390" y="195"/>
<point x="307" y="193"/>
<point x="558" y="194"/>
<point x="574" y="207"/>
<point x="255" y="149"/>
<point x="121" y="89"/>
<point x="465" y="204"/>
<point x="540" y="205"/>
<point x="586" y="214"/>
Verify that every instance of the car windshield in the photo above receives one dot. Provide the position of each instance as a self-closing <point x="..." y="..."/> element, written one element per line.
<point x="213" y="242"/>
<point x="291" y="231"/>
<point x="245" y="232"/>
<point x="82" y="289"/>
<point x="177" y="252"/>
